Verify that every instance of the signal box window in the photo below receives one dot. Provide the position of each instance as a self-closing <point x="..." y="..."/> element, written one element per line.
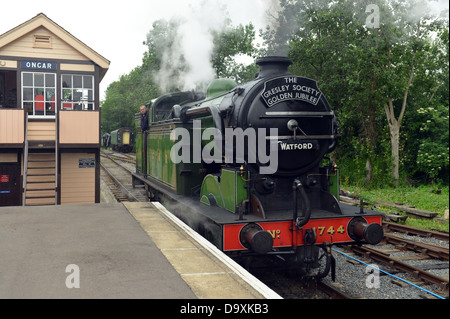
<point x="8" y="89"/>
<point x="39" y="93"/>
<point x="77" y="92"/>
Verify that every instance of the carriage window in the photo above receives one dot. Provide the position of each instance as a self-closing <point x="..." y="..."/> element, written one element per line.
<point x="77" y="92"/>
<point x="39" y="93"/>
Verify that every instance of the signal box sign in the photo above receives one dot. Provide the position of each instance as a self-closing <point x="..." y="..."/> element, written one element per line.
<point x="86" y="163"/>
<point x="38" y="65"/>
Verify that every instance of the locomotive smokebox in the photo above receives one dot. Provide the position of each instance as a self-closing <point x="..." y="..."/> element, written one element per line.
<point x="272" y="65"/>
<point x="252" y="236"/>
<point x="359" y="229"/>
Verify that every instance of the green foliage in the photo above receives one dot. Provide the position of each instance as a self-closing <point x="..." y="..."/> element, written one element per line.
<point x="230" y="43"/>
<point x="433" y="151"/>
<point x="354" y="163"/>
<point x="427" y="123"/>
<point x="362" y="70"/>
<point x="124" y="97"/>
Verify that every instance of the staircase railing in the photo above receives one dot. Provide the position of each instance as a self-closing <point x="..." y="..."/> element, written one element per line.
<point x="25" y="160"/>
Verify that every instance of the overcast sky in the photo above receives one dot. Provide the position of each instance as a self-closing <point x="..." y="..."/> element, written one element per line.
<point x="116" y="29"/>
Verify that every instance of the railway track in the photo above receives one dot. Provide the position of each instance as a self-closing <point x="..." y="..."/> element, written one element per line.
<point x="116" y="171"/>
<point x="289" y="286"/>
<point x="414" y="263"/>
<point x="415" y="231"/>
<point x="400" y="246"/>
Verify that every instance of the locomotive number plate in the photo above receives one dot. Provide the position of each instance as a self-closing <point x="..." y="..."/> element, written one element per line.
<point x="330" y="230"/>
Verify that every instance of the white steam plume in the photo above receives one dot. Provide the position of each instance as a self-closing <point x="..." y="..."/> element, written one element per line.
<point x="186" y="64"/>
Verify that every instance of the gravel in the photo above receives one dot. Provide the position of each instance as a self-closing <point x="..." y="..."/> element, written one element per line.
<point x="361" y="281"/>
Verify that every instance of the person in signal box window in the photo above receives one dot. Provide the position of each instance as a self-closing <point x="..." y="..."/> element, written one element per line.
<point x="144" y="118"/>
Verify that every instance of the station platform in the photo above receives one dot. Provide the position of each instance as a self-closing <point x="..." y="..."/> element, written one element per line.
<point x="123" y="250"/>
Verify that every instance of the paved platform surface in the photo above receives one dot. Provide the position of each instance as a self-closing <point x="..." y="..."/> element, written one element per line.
<point x="209" y="273"/>
<point x="129" y="250"/>
<point x="115" y="257"/>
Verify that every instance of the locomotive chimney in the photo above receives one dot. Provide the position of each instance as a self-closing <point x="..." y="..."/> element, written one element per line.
<point x="272" y="65"/>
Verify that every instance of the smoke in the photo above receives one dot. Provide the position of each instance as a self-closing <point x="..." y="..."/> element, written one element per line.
<point x="429" y="8"/>
<point x="425" y="9"/>
<point x="191" y="215"/>
<point x="185" y="64"/>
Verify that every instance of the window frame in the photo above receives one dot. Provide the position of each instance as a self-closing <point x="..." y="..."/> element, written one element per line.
<point x="44" y="88"/>
<point x="73" y="103"/>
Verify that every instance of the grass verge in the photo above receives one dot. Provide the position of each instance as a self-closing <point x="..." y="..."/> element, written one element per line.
<point x="422" y="197"/>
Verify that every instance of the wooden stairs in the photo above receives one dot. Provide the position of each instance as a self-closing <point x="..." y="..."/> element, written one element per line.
<point x="40" y="178"/>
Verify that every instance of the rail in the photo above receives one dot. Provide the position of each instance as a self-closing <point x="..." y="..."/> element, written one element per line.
<point x="385" y="259"/>
<point x="385" y="272"/>
<point x="128" y="194"/>
<point x="416" y="231"/>
<point x="427" y="249"/>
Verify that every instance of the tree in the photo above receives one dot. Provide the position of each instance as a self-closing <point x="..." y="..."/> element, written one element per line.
<point x="124" y="97"/>
<point x="164" y="64"/>
<point x="427" y="125"/>
<point x="332" y="46"/>
<point x="178" y="68"/>
<point x="229" y="44"/>
<point x="404" y="44"/>
<point x="367" y="70"/>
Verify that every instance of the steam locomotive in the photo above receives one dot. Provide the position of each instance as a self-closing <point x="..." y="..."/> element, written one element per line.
<point x="246" y="166"/>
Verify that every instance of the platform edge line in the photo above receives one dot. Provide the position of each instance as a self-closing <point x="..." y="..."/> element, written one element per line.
<point x="254" y="282"/>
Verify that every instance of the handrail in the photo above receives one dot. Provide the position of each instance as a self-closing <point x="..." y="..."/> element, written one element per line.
<point x="56" y="154"/>
<point x="25" y="159"/>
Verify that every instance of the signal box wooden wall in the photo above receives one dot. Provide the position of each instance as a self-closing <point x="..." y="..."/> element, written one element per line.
<point x="49" y="116"/>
